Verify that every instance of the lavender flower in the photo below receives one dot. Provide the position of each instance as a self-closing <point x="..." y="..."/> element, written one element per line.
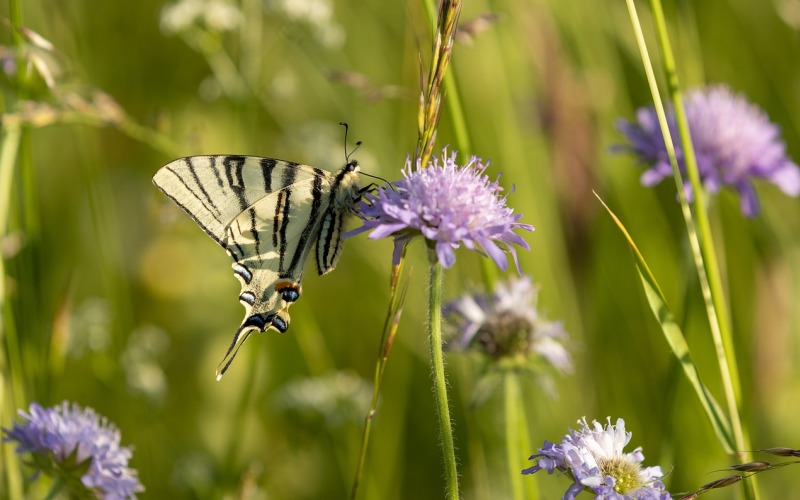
<point x="79" y="447"/>
<point x="734" y="143"/>
<point x="593" y="458"/>
<point x="506" y="324"/>
<point x="448" y="204"/>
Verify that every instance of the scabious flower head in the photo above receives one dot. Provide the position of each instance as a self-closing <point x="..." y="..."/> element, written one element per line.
<point x="78" y="446"/>
<point x="734" y="143"/>
<point x="449" y="204"/>
<point x="593" y="457"/>
<point x="505" y="324"/>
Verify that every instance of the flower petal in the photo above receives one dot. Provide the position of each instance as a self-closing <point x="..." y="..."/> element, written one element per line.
<point x="787" y="178"/>
<point x="445" y="254"/>
<point x="496" y="253"/>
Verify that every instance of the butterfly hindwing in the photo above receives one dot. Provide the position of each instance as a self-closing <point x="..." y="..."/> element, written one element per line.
<point x="329" y="242"/>
<point x="267" y="214"/>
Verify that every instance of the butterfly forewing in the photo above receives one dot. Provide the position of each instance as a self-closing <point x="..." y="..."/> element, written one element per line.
<point x="267" y="214"/>
<point x="214" y="190"/>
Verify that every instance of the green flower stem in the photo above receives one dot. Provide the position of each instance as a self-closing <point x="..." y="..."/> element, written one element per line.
<point x="437" y="368"/>
<point x="703" y="250"/>
<point x="516" y="438"/>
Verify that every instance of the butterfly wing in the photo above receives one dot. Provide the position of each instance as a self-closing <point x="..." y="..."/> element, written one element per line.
<point x="269" y="244"/>
<point x="214" y="190"/>
<point x="267" y="214"/>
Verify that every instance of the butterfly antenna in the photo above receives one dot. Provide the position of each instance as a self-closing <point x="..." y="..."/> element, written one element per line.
<point x="346" y="154"/>
<point x="379" y="178"/>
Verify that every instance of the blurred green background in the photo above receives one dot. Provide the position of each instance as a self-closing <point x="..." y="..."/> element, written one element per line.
<point x="121" y="303"/>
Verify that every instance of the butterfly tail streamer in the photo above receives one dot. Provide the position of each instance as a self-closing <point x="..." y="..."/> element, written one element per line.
<point x="242" y="334"/>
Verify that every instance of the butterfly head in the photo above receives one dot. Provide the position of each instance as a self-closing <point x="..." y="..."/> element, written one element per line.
<point x="352" y="166"/>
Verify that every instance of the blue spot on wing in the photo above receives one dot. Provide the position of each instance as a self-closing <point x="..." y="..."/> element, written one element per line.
<point x="290" y="295"/>
<point x="280" y="324"/>
<point x="243" y="272"/>
<point x="258" y="321"/>
<point x="264" y="321"/>
<point x="247" y="297"/>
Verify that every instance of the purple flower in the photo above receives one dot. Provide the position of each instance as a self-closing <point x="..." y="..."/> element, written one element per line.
<point x="593" y="457"/>
<point x="78" y="446"/>
<point x="734" y="142"/>
<point x="448" y="204"/>
<point x="506" y="324"/>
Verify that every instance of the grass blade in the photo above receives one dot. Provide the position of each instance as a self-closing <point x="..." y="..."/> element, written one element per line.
<point x="677" y="342"/>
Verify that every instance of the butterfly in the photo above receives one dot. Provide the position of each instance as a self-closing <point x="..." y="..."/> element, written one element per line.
<point x="267" y="214"/>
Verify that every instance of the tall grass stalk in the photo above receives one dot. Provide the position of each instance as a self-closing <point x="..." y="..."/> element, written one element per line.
<point x="702" y="244"/>
<point x="12" y="389"/>
<point x="439" y="379"/>
<point x="450" y="85"/>
<point x="430" y="98"/>
<point x="12" y="136"/>
<point x="391" y="323"/>
<point x="12" y="385"/>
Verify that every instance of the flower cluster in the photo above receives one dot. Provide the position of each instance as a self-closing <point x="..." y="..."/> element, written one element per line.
<point x="734" y="143"/>
<point x="506" y="324"/>
<point x="213" y="15"/>
<point x="448" y="204"/>
<point x="593" y="457"/>
<point x="77" y="446"/>
<point x="316" y="15"/>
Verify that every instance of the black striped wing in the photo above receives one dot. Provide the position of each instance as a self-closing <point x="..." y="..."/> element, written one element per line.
<point x="267" y="214"/>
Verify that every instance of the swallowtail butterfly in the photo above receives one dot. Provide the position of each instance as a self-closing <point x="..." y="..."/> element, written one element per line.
<point x="267" y="214"/>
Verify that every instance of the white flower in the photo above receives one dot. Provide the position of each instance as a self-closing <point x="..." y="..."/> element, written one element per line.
<point x="318" y="15"/>
<point x="594" y="458"/>
<point x="215" y="15"/>
<point x="506" y="323"/>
